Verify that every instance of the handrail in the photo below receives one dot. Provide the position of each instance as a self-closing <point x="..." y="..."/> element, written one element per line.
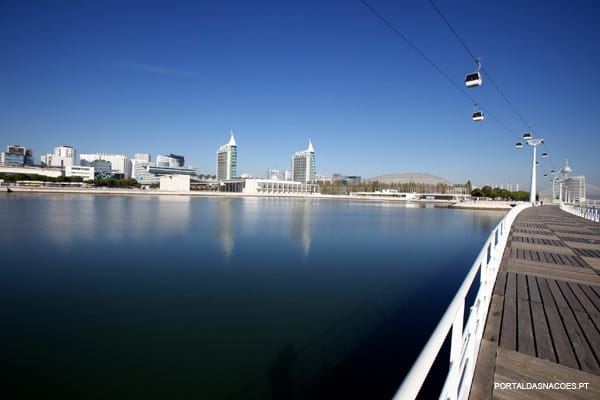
<point x="464" y="342"/>
<point x="586" y="211"/>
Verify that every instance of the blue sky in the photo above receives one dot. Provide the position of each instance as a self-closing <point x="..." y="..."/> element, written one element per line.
<point x="175" y="77"/>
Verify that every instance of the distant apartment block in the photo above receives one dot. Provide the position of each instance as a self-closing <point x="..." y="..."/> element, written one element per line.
<point x="303" y="165"/>
<point x="62" y="157"/>
<point x="170" y="161"/>
<point x="575" y="188"/>
<point x="119" y="163"/>
<point x="227" y="160"/>
<point x="172" y="164"/>
<point x="143" y="157"/>
<point x="140" y="171"/>
<point x="345" y="179"/>
<point x="101" y="167"/>
<point x="16" y="156"/>
<point x="275" y="175"/>
<point x="87" y="173"/>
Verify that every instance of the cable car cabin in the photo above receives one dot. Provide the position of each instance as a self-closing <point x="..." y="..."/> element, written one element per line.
<point x="527" y="136"/>
<point x="478" y="116"/>
<point x="544" y="154"/>
<point x="473" y="79"/>
<point x="518" y="145"/>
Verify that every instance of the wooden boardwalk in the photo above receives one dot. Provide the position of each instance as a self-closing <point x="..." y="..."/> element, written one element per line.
<point x="543" y="326"/>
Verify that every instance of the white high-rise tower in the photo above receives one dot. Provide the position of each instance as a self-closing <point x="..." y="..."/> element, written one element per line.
<point x="227" y="160"/>
<point x="303" y="165"/>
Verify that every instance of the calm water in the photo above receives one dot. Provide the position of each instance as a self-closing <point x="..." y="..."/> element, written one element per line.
<point x="176" y="297"/>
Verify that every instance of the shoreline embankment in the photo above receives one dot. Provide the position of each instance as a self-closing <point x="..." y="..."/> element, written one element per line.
<point x="463" y="205"/>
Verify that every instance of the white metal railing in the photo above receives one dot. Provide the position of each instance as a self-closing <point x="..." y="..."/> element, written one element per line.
<point x="587" y="211"/>
<point x="464" y="342"/>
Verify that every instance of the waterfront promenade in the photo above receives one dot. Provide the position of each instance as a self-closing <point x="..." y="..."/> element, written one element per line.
<point x="543" y="325"/>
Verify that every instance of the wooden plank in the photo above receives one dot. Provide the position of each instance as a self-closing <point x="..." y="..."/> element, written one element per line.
<point x="559" y="299"/>
<point x="534" y="292"/>
<point x="567" y="236"/>
<point x="494" y="319"/>
<point x="534" y="236"/>
<point x="522" y="291"/>
<point x="592" y="336"/>
<point x="582" y="245"/>
<point x="562" y="346"/>
<point x="586" y="303"/>
<point x="482" y="386"/>
<point x="580" y="276"/>
<point x="574" y="304"/>
<point x="592" y="295"/>
<point x="592" y="262"/>
<point x="508" y="335"/>
<point x="564" y="260"/>
<point x="543" y="341"/>
<point x="515" y="367"/>
<point x="525" y="342"/>
<point x="581" y="347"/>
<point x="500" y="283"/>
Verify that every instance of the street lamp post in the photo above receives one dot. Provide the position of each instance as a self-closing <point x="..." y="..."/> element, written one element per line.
<point x="534" y="143"/>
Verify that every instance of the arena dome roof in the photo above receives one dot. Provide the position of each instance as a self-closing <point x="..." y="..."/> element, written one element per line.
<point x="410" y="177"/>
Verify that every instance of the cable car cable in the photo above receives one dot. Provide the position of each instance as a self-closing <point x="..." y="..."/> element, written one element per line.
<point x="415" y="48"/>
<point x="462" y="42"/>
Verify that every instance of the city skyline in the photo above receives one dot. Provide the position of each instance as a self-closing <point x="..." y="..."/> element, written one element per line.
<point x="176" y="78"/>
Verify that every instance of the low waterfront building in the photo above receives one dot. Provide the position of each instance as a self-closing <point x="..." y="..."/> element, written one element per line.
<point x="175" y="183"/>
<point x="156" y="170"/>
<point x="267" y="186"/>
<point x="273" y="186"/>
<point x="87" y="173"/>
<point x="51" y="172"/>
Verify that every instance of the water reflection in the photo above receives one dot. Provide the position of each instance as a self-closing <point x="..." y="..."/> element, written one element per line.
<point x="300" y="229"/>
<point x="271" y="218"/>
<point x="225" y="224"/>
<point x="69" y="219"/>
<point x="309" y="282"/>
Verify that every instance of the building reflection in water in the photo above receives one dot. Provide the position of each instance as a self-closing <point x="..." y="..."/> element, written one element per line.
<point x="251" y="217"/>
<point x="225" y="221"/>
<point x="302" y="224"/>
<point x="116" y="218"/>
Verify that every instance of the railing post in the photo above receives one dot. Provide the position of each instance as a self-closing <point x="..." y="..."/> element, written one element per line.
<point x="455" y="351"/>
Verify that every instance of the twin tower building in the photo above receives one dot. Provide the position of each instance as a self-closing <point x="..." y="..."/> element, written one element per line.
<point x="303" y="163"/>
